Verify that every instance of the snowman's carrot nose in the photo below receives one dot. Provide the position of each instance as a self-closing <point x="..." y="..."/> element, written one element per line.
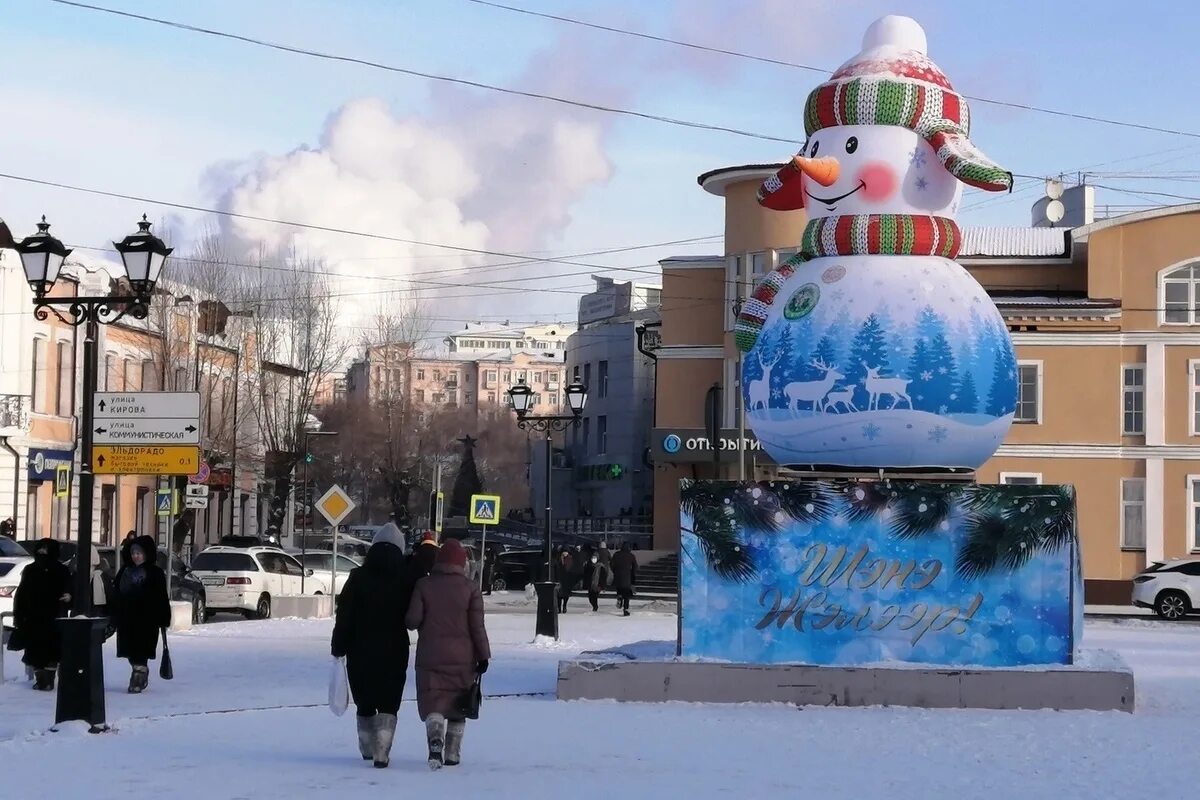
<point x="824" y="170"/>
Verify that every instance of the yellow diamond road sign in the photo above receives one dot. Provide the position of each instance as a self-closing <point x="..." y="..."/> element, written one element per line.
<point x="485" y="509"/>
<point x="335" y="505"/>
<point x="172" y="460"/>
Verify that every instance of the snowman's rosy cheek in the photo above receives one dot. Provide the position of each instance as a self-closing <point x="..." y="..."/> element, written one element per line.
<point x="879" y="181"/>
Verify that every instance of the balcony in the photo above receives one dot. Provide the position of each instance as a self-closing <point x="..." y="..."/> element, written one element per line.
<point x="14" y="414"/>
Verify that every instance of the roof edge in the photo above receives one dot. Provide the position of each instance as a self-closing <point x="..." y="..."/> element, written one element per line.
<point x="715" y="180"/>
<point x="1082" y="233"/>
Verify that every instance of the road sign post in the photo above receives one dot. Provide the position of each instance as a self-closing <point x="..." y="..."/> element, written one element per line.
<point x="144" y="433"/>
<point x="335" y="505"/>
<point x="171" y="460"/>
<point x="485" y="510"/>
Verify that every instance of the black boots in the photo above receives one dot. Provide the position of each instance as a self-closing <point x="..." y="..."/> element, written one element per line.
<point x="139" y="679"/>
<point x="43" y="679"/>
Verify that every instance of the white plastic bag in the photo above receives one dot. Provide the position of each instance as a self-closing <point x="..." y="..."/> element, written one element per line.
<point x="339" y="687"/>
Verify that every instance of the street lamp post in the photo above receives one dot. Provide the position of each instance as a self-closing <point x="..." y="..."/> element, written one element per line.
<point x="521" y="397"/>
<point x="81" y="688"/>
<point x="306" y="431"/>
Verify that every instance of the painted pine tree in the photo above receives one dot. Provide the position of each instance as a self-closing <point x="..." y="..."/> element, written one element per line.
<point x="1002" y="397"/>
<point x="967" y="397"/>
<point x="945" y="375"/>
<point x="869" y="349"/>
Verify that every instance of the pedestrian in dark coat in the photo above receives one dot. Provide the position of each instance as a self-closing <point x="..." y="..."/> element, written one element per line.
<point x="489" y="568"/>
<point x="624" y="576"/>
<point x="595" y="578"/>
<point x="141" y="609"/>
<point x="452" y="649"/>
<point x="43" y="596"/>
<point x="566" y="578"/>
<point x="370" y="634"/>
<point x="425" y="555"/>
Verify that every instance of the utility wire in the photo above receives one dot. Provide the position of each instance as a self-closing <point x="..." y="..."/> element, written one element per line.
<point x="810" y="68"/>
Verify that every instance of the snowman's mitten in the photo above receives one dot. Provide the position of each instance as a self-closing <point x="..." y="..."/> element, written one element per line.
<point x="754" y="313"/>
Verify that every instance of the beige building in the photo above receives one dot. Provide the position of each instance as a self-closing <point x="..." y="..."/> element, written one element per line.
<point x="1106" y="321"/>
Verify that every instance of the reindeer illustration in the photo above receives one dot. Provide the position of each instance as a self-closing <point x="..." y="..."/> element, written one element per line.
<point x="812" y="391"/>
<point x="844" y="397"/>
<point x="759" y="391"/>
<point x="896" y="388"/>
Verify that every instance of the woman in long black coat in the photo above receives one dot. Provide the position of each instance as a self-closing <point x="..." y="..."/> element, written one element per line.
<point x="370" y="634"/>
<point x="43" y="596"/>
<point x="142" y="608"/>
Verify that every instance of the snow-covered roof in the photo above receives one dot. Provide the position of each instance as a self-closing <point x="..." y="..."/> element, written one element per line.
<point x="1013" y="242"/>
<point x="1046" y="301"/>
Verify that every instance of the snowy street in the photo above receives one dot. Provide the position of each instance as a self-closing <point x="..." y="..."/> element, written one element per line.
<point x="280" y="741"/>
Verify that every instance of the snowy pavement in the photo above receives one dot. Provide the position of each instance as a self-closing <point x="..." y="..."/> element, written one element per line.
<point x="533" y="747"/>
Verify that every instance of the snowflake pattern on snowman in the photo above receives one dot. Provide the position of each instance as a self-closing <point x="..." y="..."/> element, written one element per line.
<point x="907" y="363"/>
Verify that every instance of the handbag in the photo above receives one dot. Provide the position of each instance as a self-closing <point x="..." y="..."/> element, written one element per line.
<point x="470" y="699"/>
<point x="16" y="641"/>
<point x="165" y="670"/>
<point x="339" y="688"/>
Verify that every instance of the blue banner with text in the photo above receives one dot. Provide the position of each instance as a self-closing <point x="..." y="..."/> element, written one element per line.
<point x="849" y="573"/>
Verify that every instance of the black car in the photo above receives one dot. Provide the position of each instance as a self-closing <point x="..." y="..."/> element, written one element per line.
<point x="515" y="569"/>
<point x="185" y="587"/>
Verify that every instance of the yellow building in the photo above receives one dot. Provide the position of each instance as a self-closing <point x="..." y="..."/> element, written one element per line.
<point x="1106" y="322"/>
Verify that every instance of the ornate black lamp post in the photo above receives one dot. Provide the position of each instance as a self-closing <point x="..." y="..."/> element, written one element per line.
<point x="42" y="256"/>
<point x="521" y="397"/>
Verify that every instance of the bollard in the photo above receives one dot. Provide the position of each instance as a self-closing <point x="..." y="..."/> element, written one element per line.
<point x="81" y="672"/>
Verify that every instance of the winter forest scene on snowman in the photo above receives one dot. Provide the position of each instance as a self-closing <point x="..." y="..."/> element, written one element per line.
<point x="864" y="379"/>
<point x="845" y="572"/>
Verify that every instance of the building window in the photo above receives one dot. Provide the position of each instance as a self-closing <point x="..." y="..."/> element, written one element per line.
<point x="490" y="377"/>
<point x="452" y="398"/>
<point x="1029" y="392"/>
<point x="1133" y="513"/>
<point x="467" y="398"/>
<point x="1194" y="510"/>
<point x="587" y="375"/>
<point x="1180" y="296"/>
<point x="554" y="399"/>
<point x="437" y="374"/>
<point x="181" y="382"/>
<point x="1133" y="400"/>
<point x="65" y="391"/>
<point x="491" y="397"/>
<point x="149" y="377"/>
<point x="575" y="374"/>
<point x="110" y="373"/>
<point x="420" y="395"/>
<point x="760" y="265"/>
<point x="39" y="377"/>
<point x="420" y="374"/>
<point x="1021" y="478"/>
<point x="506" y="377"/>
<point x="438" y="398"/>
<point x="587" y="435"/>
<point x="601" y="435"/>
<point x="537" y="377"/>
<point x="602" y="375"/>
<point x="1195" y="394"/>
<point x="127" y="375"/>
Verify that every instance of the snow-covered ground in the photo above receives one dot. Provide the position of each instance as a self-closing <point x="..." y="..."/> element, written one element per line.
<point x="273" y="745"/>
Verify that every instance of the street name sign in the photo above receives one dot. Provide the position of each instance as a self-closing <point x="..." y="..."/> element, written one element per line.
<point x="335" y="505"/>
<point x="132" y="418"/>
<point x="177" y="460"/>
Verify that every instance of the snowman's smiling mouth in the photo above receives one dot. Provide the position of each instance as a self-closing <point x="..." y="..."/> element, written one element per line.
<point x="830" y="202"/>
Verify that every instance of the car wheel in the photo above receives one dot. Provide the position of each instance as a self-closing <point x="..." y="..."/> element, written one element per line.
<point x="1171" y="605"/>
<point x="263" y="611"/>
<point x="499" y="585"/>
<point x="199" y="611"/>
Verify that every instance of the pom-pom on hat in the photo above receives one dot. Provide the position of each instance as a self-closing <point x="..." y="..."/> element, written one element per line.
<point x="894" y="82"/>
<point x="429" y="538"/>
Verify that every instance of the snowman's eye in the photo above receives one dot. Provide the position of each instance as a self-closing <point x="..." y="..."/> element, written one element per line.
<point x="813" y="152"/>
<point x="851" y="144"/>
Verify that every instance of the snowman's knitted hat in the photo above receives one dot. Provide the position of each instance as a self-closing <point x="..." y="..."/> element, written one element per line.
<point x="893" y="82"/>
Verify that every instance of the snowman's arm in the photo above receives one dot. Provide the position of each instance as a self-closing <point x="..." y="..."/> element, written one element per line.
<point x="754" y="313"/>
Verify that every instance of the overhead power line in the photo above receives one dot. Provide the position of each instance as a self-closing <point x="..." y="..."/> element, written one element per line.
<point x="811" y="68"/>
<point x="429" y="75"/>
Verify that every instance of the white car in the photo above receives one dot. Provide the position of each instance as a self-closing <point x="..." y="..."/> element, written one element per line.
<point x="1172" y="588"/>
<point x="321" y="562"/>
<point x="10" y="578"/>
<point x="246" y="578"/>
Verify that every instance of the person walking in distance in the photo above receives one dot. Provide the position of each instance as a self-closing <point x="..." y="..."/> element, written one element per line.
<point x="452" y="649"/>
<point x="141" y="609"/>
<point x="595" y="578"/>
<point x="370" y="634"/>
<point x="489" y="569"/>
<point x="43" y="596"/>
<point x="624" y="572"/>
<point x="566" y="578"/>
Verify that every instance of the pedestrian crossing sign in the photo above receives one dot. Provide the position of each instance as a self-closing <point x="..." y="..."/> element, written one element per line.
<point x="485" y="509"/>
<point x="167" y="502"/>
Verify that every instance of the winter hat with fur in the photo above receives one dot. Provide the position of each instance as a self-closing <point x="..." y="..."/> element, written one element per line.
<point x="452" y="553"/>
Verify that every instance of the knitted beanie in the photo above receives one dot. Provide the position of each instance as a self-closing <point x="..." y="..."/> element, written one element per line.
<point x="452" y="553"/>
<point x="389" y="533"/>
<point x="893" y="82"/>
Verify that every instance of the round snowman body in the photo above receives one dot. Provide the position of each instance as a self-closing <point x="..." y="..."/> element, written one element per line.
<point x="872" y="361"/>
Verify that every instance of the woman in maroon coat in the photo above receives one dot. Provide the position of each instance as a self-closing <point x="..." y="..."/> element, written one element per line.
<point x="452" y="648"/>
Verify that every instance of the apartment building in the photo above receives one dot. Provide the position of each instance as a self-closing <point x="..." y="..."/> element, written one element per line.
<point x="1105" y="316"/>
<point x="482" y="339"/>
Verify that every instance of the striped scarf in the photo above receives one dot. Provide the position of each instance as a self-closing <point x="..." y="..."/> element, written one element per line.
<point x="849" y="235"/>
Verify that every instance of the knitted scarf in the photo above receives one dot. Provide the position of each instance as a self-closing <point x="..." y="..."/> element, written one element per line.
<point x="849" y="235"/>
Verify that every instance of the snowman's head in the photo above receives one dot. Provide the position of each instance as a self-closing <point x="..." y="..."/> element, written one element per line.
<point x="886" y="135"/>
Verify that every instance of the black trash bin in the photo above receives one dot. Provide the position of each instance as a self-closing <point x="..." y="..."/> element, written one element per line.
<point x="81" y="671"/>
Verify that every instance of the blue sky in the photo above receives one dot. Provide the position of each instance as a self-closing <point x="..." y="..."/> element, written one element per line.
<point x="121" y="105"/>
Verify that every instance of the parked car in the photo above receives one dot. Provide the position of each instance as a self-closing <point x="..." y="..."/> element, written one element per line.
<point x="246" y="579"/>
<point x="234" y="540"/>
<point x="185" y="587"/>
<point x="322" y="564"/>
<point x="1171" y="588"/>
<point x="11" y="568"/>
<point x="515" y="569"/>
<point x="347" y="546"/>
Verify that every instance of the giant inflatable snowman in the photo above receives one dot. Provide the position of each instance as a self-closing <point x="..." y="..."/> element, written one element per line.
<point x="872" y="348"/>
